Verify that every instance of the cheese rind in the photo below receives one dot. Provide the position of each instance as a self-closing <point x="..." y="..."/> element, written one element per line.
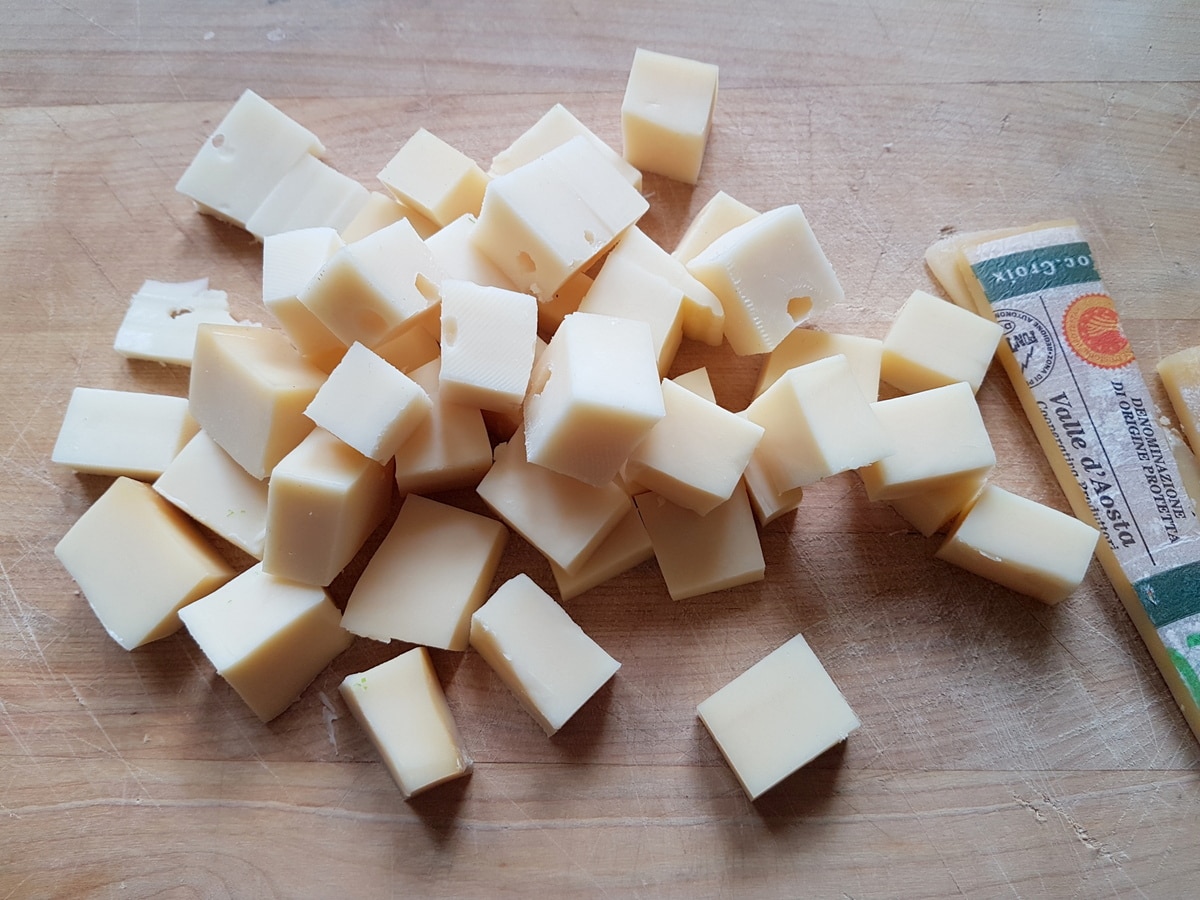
<point x="932" y="343"/>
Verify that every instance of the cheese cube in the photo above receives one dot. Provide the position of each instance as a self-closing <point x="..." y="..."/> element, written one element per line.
<point x="933" y="343"/>
<point x="429" y="575"/>
<point x="626" y="546"/>
<point x="1180" y="374"/>
<point x="539" y="652"/>
<point x="817" y="423"/>
<point x="696" y="454"/>
<point x="778" y="715"/>
<point x="805" y="345"/>
<point x="563" y="518"/>
<point x="160" y="324"/>
<point x="701" y="554"/>
<point x="309" y="195"/>
<point x="137" y="560"/>
<point x="205" y="482"/>
<point x="411" y="349"/>
<point x="594" y="395"/>
<point x="720" y="214"/>
<point x="1021" y="544"/>
<point x="245" y="157"/>
<point x="938" y="435"/>
<point x="248" y="391"/>
<point x="382" y="210"/>
<point x="267" y="637"/>
<point x="770" y="275"/>
<point x="698" y="382"/>
<point x="552" y="130"/>
<point x="667" y="112"/>
<point x="122" y="432"/>
<point x="566" y="300"/>
<point x="625" y="289"/>
<point x="323" y="501"/>
<point x="551" y="218"/>
<point x="931" y="509"/>
<point x="488" y="338"/>
<point x="369" y="404"/>
<point x="401" y="706"/>
<point x="435" y="179"/>
<point x="768" y="501"/>
<point x="290" y="261"/>
<point x="459" y="258"/>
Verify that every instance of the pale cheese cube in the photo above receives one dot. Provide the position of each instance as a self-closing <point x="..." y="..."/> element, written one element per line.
<point x="369" y="404"/>
<point x="1180" y="374"/>
<point x="1021" y="544"/>
<point x="626" y="546"/>
<point x="488" y="340"/>
<point x="667" y="112"/>
<point x="938" y="435"/>
<point x="290" y="261"/>
<point x="309" y="195"/>
<point x="382" y="210"/>
<point x="817" y="423"/>
<point x="625" y="289"/>
<point x="160" y="324"/>
<point x="137" y="560"/>
<point x="205" y="482"/>
<point x="720" y="214"/>
<point x="324" y="500"/>
<point x="701" y="554"/>
<point x="411" y="349"/>
<point x="566" y="300"/>
<point x="698" y="382"/>
<point x="594" y="395"/>
<point x="434" y="178"/>
<point x="778" y="715"/>
<point x="460" y="258"/>
<point x="248" y="390"/>
<point x="267" y="637"/>
<point x="428" y="577"/>
<point x="931" y="509"/>
<point x="401" y="706"/>
<point x="122" y="432"/>
<point x="805" y="345"/>
<point x="933" y="343"/>
<point x="768" y="501"/>
<point x="547" y="660"/>
<point x="770" y="275"/>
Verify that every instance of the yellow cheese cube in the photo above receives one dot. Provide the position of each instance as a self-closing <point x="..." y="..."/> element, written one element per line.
<point x="290" y="261"/>
<point x="411" y="349"/>
<point x="931" y="509"/>
<point x="627" y="545"/>
<point x="768" y="501"/>
<point x="566" y="300"/>
<point x="437" y="180"/>
<point x="382" y="210"/>
<point x="458" y="256"/>
<point x="310" y="194"/>
<point x="625" y="289"/>
<point x="805" y="345"/>
<point x="698" y="382"/>
<point x="160" y="324"/>
<point x="720" y="214"/>
<point x="933" y="343"/>
<point x="488" y="340"/>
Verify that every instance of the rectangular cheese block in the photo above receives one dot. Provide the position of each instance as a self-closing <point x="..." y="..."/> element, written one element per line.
<point x="768" y="502"/>
<point x="460" y="258"/>
<point x="160" y="324"/>
<point x="434" y="178"/>
<point x="310" y="194"/>
<point x="1180" y="374"/>
<point x="805" y="345"/>
<point x="382" y="210"/>
<point x="931" y="509"/>
<point x="488" y="340"/>
<point x="623" y="288"/>
<point x="932" y="343"/>
<point x="626" y="546"/>
<point x="720" y="214"/>
<point x="290" y="261"/>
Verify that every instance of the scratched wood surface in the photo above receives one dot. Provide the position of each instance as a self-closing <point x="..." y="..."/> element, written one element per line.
<point x="1007" y="749"/>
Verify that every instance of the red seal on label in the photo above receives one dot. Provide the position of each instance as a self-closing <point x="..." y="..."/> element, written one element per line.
<point x="1093" y="331"/>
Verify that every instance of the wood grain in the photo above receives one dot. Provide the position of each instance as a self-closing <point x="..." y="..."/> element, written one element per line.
<point x="1007" y="748"/>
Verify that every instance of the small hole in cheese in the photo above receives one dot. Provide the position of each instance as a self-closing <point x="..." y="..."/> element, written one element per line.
<point x="449" y="331"/>
<point x="218" y="141"/>
<point x="181" y="311"/>
<point x="525" y="262"/>
<point x="799" y="308"/>
<point x="589" y="237"/>
<point x="427" y="288"/>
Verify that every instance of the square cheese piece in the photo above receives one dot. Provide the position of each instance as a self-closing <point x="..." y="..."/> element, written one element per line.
<point x="488" y="339"/>
<point x="778" y="715"/>
<point x="160" y="324"/>
<point x="931" y="509"/>
<point x="933" y="343"/>
<point x="805" y="345"/>
<point x="369" y="404"/>
<point x="1028" y="547"/>
<point x="248" y="390"/>
<point x="1180" y="374"/>
<point x="310" y="194"/>
<point x="323" y="501"/>
<point x="122" y="432"/>
<point x="267" y="637"/>
<point x="428" y="577"/>
<point x="817" y="423"/>
<point x="720" y="214"/>
<point x="594" y="394"/>
<point x="290" y="261"/>
<point x="435" y="179"/>
<point x="701" y="554"/>
<point x="137" y="560"/>
<point x="460" y="258"/>
<point x="401" y="706"/>
<point x="768" y="502"/>
<point x="667" y="113"/>
<point x="551" y="218"/>
<point x="382" y="210"/>
<point x="625" y="289"/>
<point x="624" y="547"/>
<point x="566" y="300"/>
<point x="938" y="436"/>
<point x="770" y="275"/>
<point x="539" y="652"/>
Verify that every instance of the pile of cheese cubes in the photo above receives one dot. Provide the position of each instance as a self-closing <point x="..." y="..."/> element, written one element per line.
<point x="521" y="304"/>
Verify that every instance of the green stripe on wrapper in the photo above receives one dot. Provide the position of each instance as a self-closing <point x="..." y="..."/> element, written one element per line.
<point x="1029" y="271"/>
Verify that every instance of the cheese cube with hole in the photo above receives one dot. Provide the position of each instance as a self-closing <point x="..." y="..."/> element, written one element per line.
<point x="667" y="112"/>
<point x="267" y="637"/>
<point x="290" y="261"/>
<point x="160" y="324"/>
<point x="310" y="194"/>
<point x="770" y="275"/>
<point x="696" y="454"/>
<point x="938" y="436"/>
<point x="434" y="178"/>
<point x="594" y="395"/>
<point x="720" y="214"/>
<point x="768" y="502"/>
<point x="205" y="482"/>
<point x="933" y="343"/>
<point x="401" y="706"/>
<point x="1022" y="544"/>
<point x="369" y="404"/>
<point x="461" y="259"/>
<point x="1180" y="374"/>
<point x="547" y="660"/>
<point x="701" y="554"/>
<point x="373" y="289"/>
<point x="805" y="345"/>
<point x="488" y="340"/>
<point x="250" y="151"/>
<point x="324" y="500"/>
<point x="932" y="509"/>
<point x="625" y="289"/>
<point x="122" y="432"/>
<point x="138" y="560"/>
<point x="562" y="517"/>
<point x="382" y="210"/>
<point x="248" y="390"/>
<point x="778" y="715"/>
<point x="552" y="130"/>
<point x="547" y="220"/>
<point x="429" y="575"/>
<point x="816" y="423"/>
<point x="626" y="546"/>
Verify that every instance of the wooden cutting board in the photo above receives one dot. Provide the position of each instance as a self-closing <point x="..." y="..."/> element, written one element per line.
<point x="1007" y="748"/>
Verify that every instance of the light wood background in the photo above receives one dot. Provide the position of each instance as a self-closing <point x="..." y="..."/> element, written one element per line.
<point x="1007" y="748"/>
